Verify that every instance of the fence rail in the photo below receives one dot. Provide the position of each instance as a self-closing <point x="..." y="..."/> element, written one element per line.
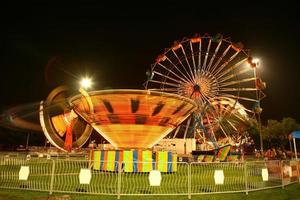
<point x="132" y="178"/>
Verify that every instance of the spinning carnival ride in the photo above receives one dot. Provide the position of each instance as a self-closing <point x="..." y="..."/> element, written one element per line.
<point x="220" y="76"/>
<point x="128" y="119"/>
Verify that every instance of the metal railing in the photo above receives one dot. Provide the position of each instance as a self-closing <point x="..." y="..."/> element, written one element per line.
<point x="64" y="175"/>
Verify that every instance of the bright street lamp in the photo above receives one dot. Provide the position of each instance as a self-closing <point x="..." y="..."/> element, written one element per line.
<point x="86" y="83"/>
<point x="254" y="63"/>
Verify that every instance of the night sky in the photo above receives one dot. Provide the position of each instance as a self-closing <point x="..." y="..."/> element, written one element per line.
<point x="46" y="45"/>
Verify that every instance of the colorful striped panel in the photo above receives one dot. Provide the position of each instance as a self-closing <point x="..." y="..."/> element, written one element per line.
<point x="208" y="158"/>
<point x="120" y="159"/>
<point x="128" y="161"/>
<point x="200" y="158"/>
<point x="117" y="158"/>
<point x="174" y="164"/>
<point x="103" y="159"/>
<point x="162" y="161"/>
<point x="169" y="160"/>
<point x="139" y="160"/>
<point x="97" y="161"/>
<point x="111" y="157"/>
<point x="135" y="159"/>
<point x="223" y="152"/>
<point x="147" y="161"/>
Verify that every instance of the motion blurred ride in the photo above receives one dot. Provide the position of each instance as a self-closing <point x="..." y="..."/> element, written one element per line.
<point x="128" y="119"/>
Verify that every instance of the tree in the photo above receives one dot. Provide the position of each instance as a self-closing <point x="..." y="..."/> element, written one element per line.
<point x="253" y="131"/>
<point x="275" y="133"/>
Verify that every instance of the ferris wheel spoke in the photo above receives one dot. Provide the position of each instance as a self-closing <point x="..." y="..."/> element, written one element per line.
<point x="220" y="58"/>
<point x="230" y="123"/>
<point x="199" y="55"/>
<point x="169" y="70"/>
<point x="193" y="59"/>
<point x="226" y="63"/>
<point x="202" y="99"/>
<point x="238" y="116"/>
<point x="167" y="77"/>
<point x="187" y="79"/>
<point x="233" y="75"/>
<point x="212" y="94"/>
<point x="186" y="59"/>
<point x="205" y="99"/>
<point x="164" y="82"/>
<point x="206" y="55"/>
<point x="232" y="68"/>
<point x="238" y="97"/>
<point x="237" y="89"/>
<point x="237" y="82"/>
<point x="188" y="74"/>
<point x="222" y="129"/>
<point x="214" y="55"/>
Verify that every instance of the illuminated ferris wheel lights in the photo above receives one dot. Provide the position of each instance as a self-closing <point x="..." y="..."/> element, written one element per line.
<point x="196" y="39"/>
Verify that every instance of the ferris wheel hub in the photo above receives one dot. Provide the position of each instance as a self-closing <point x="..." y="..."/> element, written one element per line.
<point x="197" y="88"/>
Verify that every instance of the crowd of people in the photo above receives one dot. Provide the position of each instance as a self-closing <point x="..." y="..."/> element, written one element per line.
<point x="274" y="154"/>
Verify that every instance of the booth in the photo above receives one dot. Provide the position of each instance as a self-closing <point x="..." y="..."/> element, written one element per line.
<point x="134" y="160"/>
<point x="295" y="134"/>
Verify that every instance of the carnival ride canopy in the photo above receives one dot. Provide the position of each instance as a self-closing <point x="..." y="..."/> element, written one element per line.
<point x="133" y="118"/>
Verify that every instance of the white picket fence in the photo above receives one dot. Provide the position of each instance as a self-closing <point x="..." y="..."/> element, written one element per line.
<point x="80" y="176"/>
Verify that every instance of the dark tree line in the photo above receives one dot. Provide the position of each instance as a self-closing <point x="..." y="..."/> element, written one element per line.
<point x="275" y="133"/>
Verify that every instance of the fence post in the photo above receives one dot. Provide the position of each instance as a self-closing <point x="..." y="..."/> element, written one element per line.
<point x="297" y="167"/>
<point x="281" y="167"/>
<point x="246" y="177"/>
<point x="52" y="176"/>
<point x="119" y="179"/>
<point x="189" y="180"/>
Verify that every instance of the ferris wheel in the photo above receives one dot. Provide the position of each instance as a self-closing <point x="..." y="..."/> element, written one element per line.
<point x="220" y="76"/>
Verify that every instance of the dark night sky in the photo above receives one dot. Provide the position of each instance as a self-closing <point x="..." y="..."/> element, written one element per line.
<point x="118" y="43"/>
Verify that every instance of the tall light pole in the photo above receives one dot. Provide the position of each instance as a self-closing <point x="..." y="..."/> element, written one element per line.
<point x="86" y="83"/>
<point x="259" y="84"/>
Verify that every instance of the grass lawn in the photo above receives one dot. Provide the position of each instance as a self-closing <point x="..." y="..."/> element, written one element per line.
<point x="202" y="181"/>
<point x="289" y="192"/>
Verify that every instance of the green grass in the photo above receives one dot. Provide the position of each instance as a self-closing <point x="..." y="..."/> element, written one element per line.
<point x="202" y="180"/>
<point x="291" y="192"/>
<point x="67" y="171"/>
